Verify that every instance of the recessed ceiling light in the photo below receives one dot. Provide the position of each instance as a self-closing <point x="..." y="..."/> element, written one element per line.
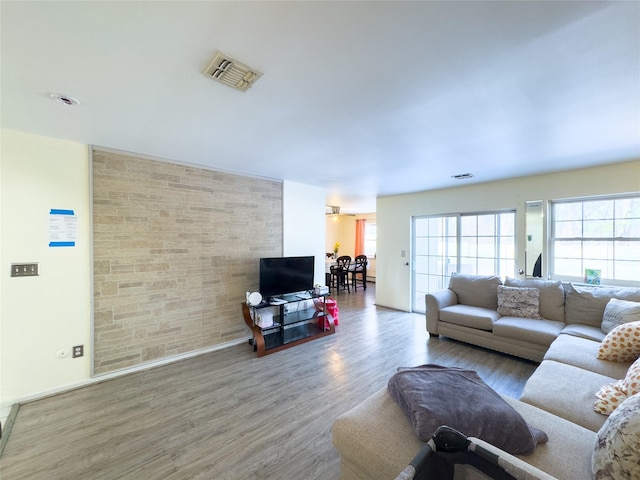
<point x="64" y="99"/>
<point x="462" y="176"/>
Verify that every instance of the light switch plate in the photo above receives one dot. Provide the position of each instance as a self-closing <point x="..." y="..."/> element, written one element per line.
<point x="24" y="269"/>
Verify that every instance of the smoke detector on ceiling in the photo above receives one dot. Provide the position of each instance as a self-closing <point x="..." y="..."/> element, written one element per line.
<point x="226" y="69"/>
<point x="64" y="99"/>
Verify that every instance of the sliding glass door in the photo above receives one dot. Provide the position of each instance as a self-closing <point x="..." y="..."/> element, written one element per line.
<point x="435" y="253"/>
<point x="479" y="243"/>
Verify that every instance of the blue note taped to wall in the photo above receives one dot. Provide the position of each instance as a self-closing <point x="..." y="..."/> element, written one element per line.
<point x="63" y="228"/>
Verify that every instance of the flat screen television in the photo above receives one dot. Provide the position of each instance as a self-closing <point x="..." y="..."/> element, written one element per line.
<point x="284" y="275"/>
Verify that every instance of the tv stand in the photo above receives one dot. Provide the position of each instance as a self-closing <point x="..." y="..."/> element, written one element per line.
<point x="297" y="321"/>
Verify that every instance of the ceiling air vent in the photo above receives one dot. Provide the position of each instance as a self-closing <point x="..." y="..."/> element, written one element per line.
<point x="228" y="70"/>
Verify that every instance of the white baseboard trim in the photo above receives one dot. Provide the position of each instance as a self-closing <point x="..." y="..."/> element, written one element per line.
<point x="5" y="408"/>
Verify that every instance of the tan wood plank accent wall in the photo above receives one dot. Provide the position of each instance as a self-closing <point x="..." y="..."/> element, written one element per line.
<point x="175" y="249"/>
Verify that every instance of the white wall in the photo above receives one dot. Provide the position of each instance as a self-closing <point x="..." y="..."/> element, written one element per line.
<point x="303" y="224"/>
<point x="394" y="214"/>
<point x="41" y="315"/>
<point x="342" y="229"/>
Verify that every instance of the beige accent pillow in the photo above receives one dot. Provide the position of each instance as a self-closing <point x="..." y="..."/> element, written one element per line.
<point x="610" y="396"/>
<point x="518" y="302"/>
<point x="621" y="344"/>
<point x="618" y="312"/>
<point x="551" y="295"/>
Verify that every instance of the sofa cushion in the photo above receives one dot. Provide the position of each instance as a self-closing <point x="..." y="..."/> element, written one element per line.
<point x="476" y="290"/>
<point x="541" y="332"/>
<point x="551" y="295"/>
<point x="621" y="344"/>
<point x="554" y="457"/>
<point x="566" y="391"/>
<point x="519" y="302"/>
<point x="467" y="316"/>
<point x="584" y="331"/>
<point x="586" y="304"/>
<point x="617" y="312"/>
<point x="617" y="446"/>
<point x="375" y="441"/>
<point x="378" y="420"/>
<point x="583" y="353"/>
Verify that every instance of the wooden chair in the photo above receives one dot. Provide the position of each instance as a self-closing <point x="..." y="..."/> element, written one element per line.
<point x="339" y="274"/>
<point x="359" y="267"/>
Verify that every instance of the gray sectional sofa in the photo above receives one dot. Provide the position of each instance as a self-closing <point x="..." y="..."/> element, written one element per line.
<point x="375" y="439"/>
<point x="468" y="311"/>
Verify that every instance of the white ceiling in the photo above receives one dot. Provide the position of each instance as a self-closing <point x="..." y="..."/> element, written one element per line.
<point x="365" y="98"/>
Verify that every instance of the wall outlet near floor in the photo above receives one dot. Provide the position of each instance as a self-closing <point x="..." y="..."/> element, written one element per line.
<point x="78" y="351"/>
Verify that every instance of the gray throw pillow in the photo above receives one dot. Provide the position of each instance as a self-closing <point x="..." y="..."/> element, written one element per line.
<point x="618" y="312"/>
<point x="433" y="395"/>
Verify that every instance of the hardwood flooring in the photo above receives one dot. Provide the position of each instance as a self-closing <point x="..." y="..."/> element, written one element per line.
<point x="231" y="415"/>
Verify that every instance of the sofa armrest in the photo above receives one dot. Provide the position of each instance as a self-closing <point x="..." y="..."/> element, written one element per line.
<point x="435" y="302"/>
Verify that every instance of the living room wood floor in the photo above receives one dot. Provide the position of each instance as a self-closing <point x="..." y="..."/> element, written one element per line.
<point x="231" y="415"/>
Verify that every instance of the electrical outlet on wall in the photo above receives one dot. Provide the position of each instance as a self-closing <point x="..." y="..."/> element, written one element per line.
<point x="78" y="351"/>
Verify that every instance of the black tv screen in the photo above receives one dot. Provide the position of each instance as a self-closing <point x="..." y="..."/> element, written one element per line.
<point x="283" y="275"/>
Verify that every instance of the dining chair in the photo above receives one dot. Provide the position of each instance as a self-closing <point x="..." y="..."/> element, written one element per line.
<point x="340" y="274"/>
<point x="359" y="267"/>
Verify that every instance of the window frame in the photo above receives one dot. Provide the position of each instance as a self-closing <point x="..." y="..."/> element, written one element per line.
<point x="367" y="226"/>
<point x="554" y="239"/>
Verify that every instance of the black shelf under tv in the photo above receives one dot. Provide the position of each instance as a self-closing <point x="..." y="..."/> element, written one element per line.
<point x="296" y="321"/>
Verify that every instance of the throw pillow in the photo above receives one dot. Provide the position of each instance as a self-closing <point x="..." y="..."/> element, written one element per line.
<point x="615" y="454"/>
<point x="632" y="379"/>
<point x="518" y="302"/>
<point x="621" y="344"/>
<point x="551" y="295"/>
<point x="618" y="312"/>
<point x="610" y="396"/>
<point x="434" y="395"/>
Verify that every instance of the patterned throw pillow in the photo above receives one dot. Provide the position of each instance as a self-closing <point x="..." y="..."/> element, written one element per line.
<point x="610" y="396"/>
<point x="632" y="380"/>
<point x="518" y="302"/>
<point x="618" y="312"/>
<point x="615" y="455"/>
<point x="621" y="344"/>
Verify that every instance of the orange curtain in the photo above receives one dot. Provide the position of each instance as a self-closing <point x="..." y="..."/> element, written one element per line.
<point x="360" y="236"/>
